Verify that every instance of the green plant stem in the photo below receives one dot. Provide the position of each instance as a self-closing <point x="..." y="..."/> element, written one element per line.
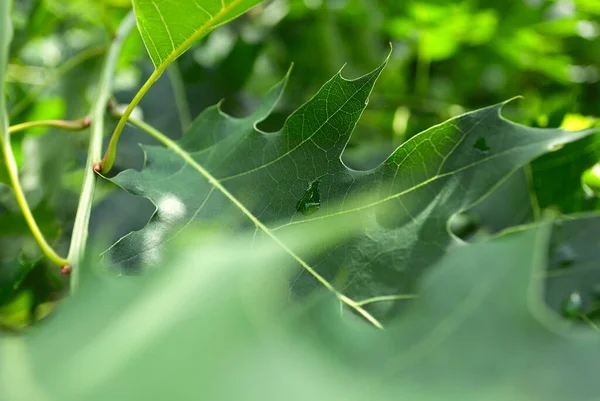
<point x="72" y="125"/>
<point x="9" y="157"/>
<point x="215" y="183"/>
<point x="109" y="156"/>
<point x="63" y="69"/>
<point x="183" y="108"/>
<point x="82" y="218"/>
<point x="13" y="174"/>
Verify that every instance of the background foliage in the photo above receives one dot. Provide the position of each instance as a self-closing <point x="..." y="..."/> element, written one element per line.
<point x="471" y="332"/>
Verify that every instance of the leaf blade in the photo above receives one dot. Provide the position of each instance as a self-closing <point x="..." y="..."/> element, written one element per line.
<point x="413" y="193"/>
<point x="169" y="31"/>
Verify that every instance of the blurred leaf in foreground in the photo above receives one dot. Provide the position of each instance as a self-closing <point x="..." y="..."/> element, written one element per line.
<point x="479" y="329"/>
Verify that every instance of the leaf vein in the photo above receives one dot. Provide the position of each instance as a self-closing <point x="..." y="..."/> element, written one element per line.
<point x="301" y="142"/>
<point x="165" y="24"/>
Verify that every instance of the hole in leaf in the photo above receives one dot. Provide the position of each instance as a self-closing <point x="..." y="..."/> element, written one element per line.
<point x="311" y="201"/>
<point x="482" y="146"/>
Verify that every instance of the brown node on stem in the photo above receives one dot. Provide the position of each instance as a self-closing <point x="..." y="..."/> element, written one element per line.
<point x="98" y="167"/>
<point x="86" y="122"/>
<point x="66" y="269"/>
<point x="110" y="106"/>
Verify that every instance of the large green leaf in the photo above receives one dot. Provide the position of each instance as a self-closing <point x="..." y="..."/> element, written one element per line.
<point x="225" y="171"/>
<point x="169" y="29"/>
<point x="478" y="330"/>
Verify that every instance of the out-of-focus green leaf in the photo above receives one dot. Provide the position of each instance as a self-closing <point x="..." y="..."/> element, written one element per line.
<point x="557" y="176"/>
<point x="293" y="177"/>
<point x="441" y="29"/>
<point x="12" y="274"/>
<point x="170" y="29"/>
<point x="573" y="269"/>
<point x="478" y="329"/>
<point x="13" y="223"/>
<point x="97" y="12"/>
<point x="480" y="311"/>
<point x="591" y="179"/>
<point x="15" y="315"/>
<point x="508" y="205"/>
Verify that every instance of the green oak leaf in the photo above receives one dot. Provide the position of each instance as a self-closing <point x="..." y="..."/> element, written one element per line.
<point x="169" y="29"/>
<point x="225" y="171"/>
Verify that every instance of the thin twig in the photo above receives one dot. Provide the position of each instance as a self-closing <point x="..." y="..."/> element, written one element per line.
<point x="68" y="125"/>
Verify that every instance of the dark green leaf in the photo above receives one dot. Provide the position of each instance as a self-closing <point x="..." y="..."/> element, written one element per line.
<point x="296" y="177"/>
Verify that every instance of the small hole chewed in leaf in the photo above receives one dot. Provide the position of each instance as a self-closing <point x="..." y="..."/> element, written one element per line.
<point x="311" y="201"/>
<point x="573" y="305"/>
<point x="482" y="146"/>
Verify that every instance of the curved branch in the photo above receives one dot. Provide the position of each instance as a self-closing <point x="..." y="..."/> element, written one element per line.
<point x="68" y="125"/>
<point x="6" y="148"/>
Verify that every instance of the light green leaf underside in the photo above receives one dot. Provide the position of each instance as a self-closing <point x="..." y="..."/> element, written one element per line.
<point x="296" y="178"/>
<point x="169" y="28"/>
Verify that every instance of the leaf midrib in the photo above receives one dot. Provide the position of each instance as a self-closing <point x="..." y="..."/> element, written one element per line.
<point x="216" y="184"/>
